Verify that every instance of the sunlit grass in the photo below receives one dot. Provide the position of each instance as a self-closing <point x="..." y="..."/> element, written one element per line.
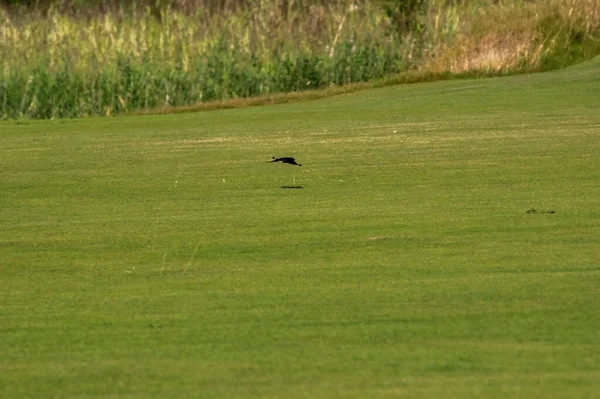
<point x="158" y="257"/>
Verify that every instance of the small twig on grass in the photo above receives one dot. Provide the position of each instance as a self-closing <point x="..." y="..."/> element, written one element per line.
<point x="191" y="259"/>
<point x="162" y="267"/>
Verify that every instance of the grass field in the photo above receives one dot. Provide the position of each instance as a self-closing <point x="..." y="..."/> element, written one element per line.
<point x="158" y="257"/>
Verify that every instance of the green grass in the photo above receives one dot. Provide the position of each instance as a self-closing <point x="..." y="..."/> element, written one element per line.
<point x="157" y="256"/>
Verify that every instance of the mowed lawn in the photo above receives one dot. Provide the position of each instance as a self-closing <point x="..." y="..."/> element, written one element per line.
<point x="158" y="257"/>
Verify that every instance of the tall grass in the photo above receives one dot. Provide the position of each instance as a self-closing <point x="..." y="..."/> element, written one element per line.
<point x="59" y="63"/>
<point x="66" y="66"/>
<point x="515" y="36"/>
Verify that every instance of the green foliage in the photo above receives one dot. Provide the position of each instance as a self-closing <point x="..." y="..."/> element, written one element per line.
<point x="221" y="75"/>
<point x="96" y="58"/>
<point x="406" y="15"/>
<point x="567" y="42"/>
<point x="115" y="64"/>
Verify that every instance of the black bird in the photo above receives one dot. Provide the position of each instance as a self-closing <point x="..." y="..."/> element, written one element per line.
<point x="289" y="160"/>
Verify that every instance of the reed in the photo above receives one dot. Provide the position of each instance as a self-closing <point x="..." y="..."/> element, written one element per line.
<point x="59" y="63"/>
<point x="514" y="36"/>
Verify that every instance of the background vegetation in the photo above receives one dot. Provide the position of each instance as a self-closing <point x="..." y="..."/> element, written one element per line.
<point x="83" y="58"/>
